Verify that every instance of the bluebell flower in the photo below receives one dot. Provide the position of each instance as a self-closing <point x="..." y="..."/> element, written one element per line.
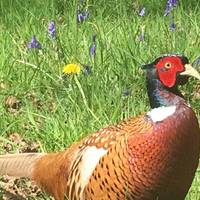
<point x="85" y="15"/>
<point x="172" y="26"/>
<point x="93" y="46"/>
<point x="92" y="49"/>
<point x="174" y="3"/>
<point x="142" y="12"/>
<point x="141" y="37"/>
<point x="79" y="16"/>
<point x="34" y="44"/>
<point x="82" y="15"/>
<point x="52" y="29"/>
<point x="169" y="5"/>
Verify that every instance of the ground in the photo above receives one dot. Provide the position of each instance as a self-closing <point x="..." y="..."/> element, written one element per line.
<point x="43" y="109"/>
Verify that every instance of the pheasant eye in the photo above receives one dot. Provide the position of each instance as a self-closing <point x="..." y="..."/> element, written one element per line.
<point x="168" y="65"/>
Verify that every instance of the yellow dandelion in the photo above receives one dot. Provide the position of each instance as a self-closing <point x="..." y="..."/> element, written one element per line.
<point x="71" y="69"/>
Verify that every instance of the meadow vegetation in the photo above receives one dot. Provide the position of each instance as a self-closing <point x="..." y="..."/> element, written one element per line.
<point x="49" y="110"/>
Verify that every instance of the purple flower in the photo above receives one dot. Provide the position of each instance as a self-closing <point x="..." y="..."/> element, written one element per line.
<point x="52" y="29"/>
<point x="85" y="15"/>
<point x="34" y="44"/>
<point x="93" y="50"/>
<point x="142" y="12"/>
<point x="174" y="3"/>
<point x="82" y="15"/>
<point x="93" y="46"/>
<point x="172" y="26"/>
<point x="79" y="17"/>
<point x="169" y="5"/>
<point x="141" y="37"/>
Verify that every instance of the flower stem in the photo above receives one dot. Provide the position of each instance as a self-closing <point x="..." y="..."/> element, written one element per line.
<point x="84" y="98"/>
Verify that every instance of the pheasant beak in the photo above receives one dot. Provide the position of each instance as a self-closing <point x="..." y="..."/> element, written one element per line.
<point x="190" y="71"/>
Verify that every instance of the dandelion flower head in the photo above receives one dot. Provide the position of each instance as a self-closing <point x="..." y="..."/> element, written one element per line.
<point x="71" y="69"/>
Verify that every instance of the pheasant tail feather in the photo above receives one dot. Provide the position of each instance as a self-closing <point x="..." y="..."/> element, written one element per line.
<point x="18" y="165"/>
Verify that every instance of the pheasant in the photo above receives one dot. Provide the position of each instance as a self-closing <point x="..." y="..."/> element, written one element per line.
<point x="151" y="157"/>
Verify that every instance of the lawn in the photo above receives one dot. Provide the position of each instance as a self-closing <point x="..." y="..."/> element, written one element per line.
<point x="44" y="110"/>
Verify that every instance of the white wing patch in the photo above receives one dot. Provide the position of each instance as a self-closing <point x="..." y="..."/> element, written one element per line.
<point x="90" y="159"/>
<point x="86" y="163"/>
<point x="161" y="113"/>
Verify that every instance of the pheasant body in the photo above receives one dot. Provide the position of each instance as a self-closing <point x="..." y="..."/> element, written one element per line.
<point x="136" y="165"/>
<point x="143" y="158"/>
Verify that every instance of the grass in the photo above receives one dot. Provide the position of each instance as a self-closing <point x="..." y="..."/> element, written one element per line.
<point x="56" y="112"/>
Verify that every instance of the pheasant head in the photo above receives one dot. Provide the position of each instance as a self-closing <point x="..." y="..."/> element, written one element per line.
<point x="165" y="74"/>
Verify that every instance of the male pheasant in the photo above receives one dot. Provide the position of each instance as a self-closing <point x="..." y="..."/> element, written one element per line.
<point x="150" y="157"/>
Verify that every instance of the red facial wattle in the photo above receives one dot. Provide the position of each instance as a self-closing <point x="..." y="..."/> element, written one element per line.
<point x="167" y="69"/>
